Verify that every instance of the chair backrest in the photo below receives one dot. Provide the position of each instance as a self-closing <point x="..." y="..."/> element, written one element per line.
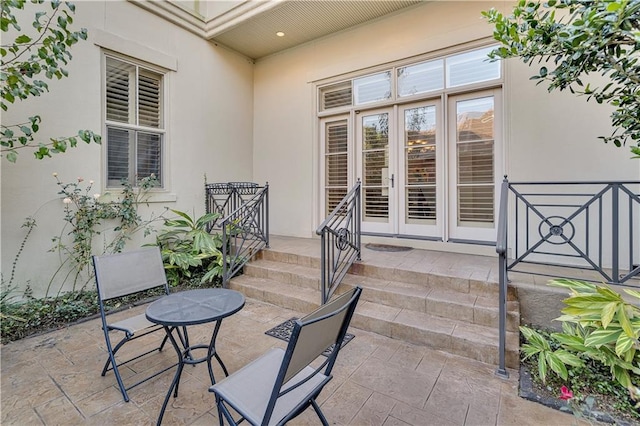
<point x="320" y="329"/>
<point x="129" y="272"/>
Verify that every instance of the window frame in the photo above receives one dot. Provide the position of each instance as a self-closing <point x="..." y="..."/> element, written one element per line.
<point x="135" y="128"/>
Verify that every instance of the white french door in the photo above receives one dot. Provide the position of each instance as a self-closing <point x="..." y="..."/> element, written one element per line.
<point x="474" y="165"/>
<point x="429" y="169"/>
<point x="420" y="166"/>
<point x="375" y="153"/>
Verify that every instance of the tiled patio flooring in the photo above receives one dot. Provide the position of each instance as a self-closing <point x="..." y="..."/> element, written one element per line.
<point x="54" y="379"/>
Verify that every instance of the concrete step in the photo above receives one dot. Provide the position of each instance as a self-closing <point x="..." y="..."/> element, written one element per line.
<point x="446" y="282"/>
<point x="449" y="334"/>
<point x="438" y="300"/>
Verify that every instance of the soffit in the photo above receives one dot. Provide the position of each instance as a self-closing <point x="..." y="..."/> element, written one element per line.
<point x="301" y="21"/>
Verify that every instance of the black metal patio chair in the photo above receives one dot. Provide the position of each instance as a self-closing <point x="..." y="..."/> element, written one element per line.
<point x="124" y="274"/>
<point x="281" y="384"/>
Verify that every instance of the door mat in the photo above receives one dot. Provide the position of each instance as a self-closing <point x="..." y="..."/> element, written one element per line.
<point x="386" y="247"/>
<point x="283" y="332"/>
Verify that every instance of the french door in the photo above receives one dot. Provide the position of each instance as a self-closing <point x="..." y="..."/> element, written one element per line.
<point x="429" y="169"/>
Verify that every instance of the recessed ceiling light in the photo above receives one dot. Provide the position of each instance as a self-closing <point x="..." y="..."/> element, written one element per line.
<point x="280" y="34"/>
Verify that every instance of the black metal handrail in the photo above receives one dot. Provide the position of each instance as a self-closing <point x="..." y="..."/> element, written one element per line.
<point x="594" y="226"/>
<point x="501" y="249"/>
<point x="225" y="197"/>
<point x="243" y="221"/>
<point x="341" y="240"/>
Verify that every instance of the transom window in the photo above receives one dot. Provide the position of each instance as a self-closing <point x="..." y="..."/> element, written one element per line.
<point x="134" y="122"/>
<point x="426" y="77"/>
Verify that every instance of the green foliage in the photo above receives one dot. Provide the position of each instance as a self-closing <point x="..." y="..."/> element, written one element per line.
<point x="85" y="214"/>
<point x="25" y="317"/>
<point x="599" y="325"/>
<point x="603" y="325"/>
<point x="26" y="60"/>
<point x="188" y="250"/>
<point x="575" y="38"/>
<point x="557" y="360"/>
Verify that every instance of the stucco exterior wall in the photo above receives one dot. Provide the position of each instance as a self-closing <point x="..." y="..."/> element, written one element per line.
<point x="209" y="130"/>
<point x="546" y="136"/>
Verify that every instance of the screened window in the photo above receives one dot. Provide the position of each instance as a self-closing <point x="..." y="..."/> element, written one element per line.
<point x="134" y="122"/>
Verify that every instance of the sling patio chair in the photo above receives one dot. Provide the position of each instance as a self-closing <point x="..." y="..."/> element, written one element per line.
<point x="125" y="274"/>
<point x="281" y="384"/>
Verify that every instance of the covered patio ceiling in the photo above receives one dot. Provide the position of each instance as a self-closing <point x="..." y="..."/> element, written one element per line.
<point x="253" y="32"/>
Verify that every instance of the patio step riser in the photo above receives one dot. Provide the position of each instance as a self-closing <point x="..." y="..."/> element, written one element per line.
<point x="428" y="280"/>
<point x="484" y="352"/>
<point x="446" y="334"/>
<point x="448" y="304"/>
<point x="480" y="311"/>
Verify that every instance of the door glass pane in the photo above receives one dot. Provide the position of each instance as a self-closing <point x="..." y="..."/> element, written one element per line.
<point x="375" y="167"/>
<point x="475" y="162"/>
<point x="420" y="161"/>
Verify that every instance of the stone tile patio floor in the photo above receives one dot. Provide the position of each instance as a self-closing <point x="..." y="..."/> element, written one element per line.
<point x="54" y="379"/>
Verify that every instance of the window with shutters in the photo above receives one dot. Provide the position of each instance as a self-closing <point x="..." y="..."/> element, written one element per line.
<point x="134" y="121"/>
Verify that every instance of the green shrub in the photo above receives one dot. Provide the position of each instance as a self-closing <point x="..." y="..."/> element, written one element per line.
<point x="189" y="252"/>
<point x="599" y="325"/>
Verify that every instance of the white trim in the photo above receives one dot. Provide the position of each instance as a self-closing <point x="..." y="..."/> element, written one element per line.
<point x="133" y="49"/>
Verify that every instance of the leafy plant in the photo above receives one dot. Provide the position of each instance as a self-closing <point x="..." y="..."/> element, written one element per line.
<point x="188" y="250"/>
<point x="598" y="324"/>
<point x="548" y="358"/>
<point x="84" y="216"/>
<point x="25" y="60"/>
<point x="575" y="38"/>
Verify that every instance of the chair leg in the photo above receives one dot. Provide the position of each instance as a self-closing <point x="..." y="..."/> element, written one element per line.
<point x="222" y="410"/>
<point x="114" y="351"/>
<point x="318" y="411"/>
<point x="114" y="365"/>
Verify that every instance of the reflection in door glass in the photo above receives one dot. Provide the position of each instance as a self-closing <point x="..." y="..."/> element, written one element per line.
<point x="475" y="162"/>
<point x="420" y="161"/>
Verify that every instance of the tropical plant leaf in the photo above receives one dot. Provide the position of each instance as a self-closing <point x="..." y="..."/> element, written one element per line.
<point x="608" y="311"/>
<point x="602" y="337"/>
<point x="556" y="365"/>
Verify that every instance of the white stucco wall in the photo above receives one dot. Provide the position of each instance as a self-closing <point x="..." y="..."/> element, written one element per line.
<point x="546" y="136"/>
<point x="209" y="122"/>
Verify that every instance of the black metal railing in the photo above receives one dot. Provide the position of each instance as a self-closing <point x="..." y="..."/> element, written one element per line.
<point x="225" y="197"/>
<point x="340" y="239"/>
<point x="244" y="227"/>
<point x="568" y="228"/>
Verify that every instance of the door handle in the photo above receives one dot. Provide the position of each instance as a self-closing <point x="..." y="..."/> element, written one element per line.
<point x="391" y="179"/>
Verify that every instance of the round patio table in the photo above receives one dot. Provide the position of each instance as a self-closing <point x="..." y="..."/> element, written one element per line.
<point x="179" y="310"/>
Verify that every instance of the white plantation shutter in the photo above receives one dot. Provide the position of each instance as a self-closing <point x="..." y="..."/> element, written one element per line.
<point x="420" y="78"/>
<point x="119" y="144"/>
<point x="134" y="121"/>
<point x="119" y="91"/>
<point x="420" y="160"/>
<point x="334" y="96"/>
<point x="336" y="178"/>
<point x="149" y="92"/>
<point x="375" y="166"/>
<point x="471" y="67"/>
<point x="475" y="161"/>
<point x="372" y="88"/>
